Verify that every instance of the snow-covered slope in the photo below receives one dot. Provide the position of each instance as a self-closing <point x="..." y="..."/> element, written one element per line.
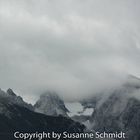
<point x="76" y="108"/>
<point x="79" y="113"/>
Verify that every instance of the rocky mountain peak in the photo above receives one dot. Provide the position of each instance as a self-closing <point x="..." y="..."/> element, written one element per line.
<point x="51" y="104"/>
<point x="11" y="92"/>
<point x="11" y="98"/>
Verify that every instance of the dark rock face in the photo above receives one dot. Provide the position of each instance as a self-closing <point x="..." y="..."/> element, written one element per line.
<point x="118" y="113"/>
<point x="82" y="119"/>
<point x="11" y="98"/>
<point x="51" y="104"/>
<point x="131" y="119"/>
<point x="23" y="120"/>
<point x="15" y="117"/>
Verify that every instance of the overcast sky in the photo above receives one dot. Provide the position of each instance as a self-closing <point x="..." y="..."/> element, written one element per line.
<point x="73" y="47"/>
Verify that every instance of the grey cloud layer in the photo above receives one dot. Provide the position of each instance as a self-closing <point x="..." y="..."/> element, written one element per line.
<point x="73" y="47"/>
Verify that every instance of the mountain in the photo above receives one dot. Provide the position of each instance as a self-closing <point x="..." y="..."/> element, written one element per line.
<point x="16" y="116"/>
<point x="12" y="98"/>
<point x="51" y="104"/>
<point x="120" y="111"/>
<point x="117" y="111"/>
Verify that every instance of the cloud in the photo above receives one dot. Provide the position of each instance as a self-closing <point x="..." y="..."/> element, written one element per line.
<point x="75" y="48"/>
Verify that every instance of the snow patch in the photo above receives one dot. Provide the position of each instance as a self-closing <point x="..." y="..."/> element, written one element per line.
<point x="77" y="109"/>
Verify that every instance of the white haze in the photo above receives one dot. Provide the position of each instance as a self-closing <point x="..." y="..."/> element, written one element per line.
<point x="73" y="47"/>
